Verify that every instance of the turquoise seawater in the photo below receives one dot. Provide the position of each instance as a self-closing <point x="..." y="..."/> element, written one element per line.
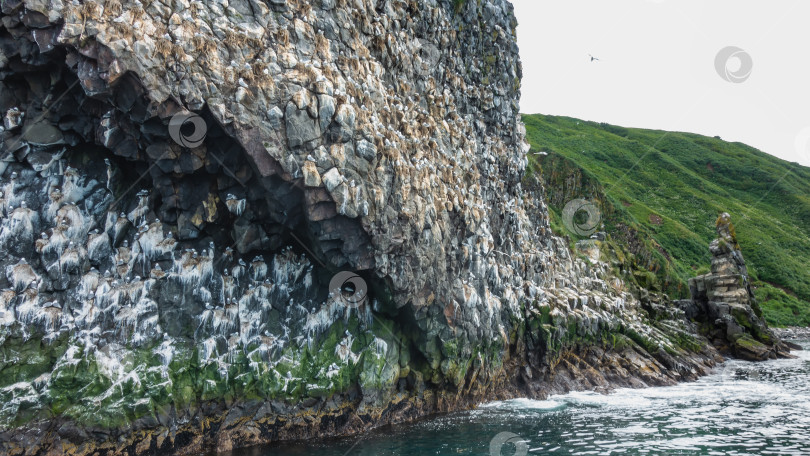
<point x="743" y="409"/>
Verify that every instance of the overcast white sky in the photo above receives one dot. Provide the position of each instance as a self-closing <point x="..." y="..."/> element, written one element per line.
<point x="657" y="66"/>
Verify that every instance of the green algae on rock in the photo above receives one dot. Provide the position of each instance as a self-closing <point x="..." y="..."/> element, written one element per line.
<point x="174" y="296"/>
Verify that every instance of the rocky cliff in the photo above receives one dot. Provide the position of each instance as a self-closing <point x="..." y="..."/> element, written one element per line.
<point x="228" y="223"/>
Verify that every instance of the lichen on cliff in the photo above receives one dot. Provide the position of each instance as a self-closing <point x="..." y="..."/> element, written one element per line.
<point x="181" y="181"/>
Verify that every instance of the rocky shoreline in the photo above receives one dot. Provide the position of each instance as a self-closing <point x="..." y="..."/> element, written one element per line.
<point x="792" y="333"/>
<point x="182" y="182"/>
<point x="226" y="427"/>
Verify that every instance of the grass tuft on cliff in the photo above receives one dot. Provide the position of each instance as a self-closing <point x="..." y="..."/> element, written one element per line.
<point x="660" y="193"/>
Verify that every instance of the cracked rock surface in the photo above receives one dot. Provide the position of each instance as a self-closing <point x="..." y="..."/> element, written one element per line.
<point x="165" y="284"/>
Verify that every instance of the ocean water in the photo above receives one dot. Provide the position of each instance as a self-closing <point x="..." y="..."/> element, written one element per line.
<point x="743" y="409"/>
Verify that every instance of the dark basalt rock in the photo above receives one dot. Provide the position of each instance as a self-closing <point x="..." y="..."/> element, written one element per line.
<point x="177" y="297"/>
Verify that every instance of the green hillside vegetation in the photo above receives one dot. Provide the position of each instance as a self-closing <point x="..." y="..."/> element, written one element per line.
<point x="660" y="193"/>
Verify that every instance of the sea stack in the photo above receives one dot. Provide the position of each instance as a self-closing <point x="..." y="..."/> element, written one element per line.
<point x="368" y="154"/>
<point x="724" y="299"/>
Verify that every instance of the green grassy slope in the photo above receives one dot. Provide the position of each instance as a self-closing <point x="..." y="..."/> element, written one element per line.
<point x="660" y="193"/>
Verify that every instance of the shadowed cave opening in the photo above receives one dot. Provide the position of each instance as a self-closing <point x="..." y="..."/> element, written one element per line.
<point x="210" y="193"/>
<point x="208" y="197"/>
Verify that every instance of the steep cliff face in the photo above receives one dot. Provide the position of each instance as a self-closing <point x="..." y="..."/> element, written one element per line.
<point x="181" y="182"/>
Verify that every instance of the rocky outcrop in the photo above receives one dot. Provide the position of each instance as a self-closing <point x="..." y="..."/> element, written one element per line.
<point x="182" y="180"/>
<point x="724" y="301"/>
<point x="794" y="333"/>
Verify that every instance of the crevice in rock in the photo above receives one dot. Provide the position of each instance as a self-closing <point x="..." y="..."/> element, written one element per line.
<point x="209" y="193"/>
<point x="336" y="138"/>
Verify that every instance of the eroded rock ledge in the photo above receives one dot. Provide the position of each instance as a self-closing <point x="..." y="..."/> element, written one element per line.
<point x="158" y="297"/>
